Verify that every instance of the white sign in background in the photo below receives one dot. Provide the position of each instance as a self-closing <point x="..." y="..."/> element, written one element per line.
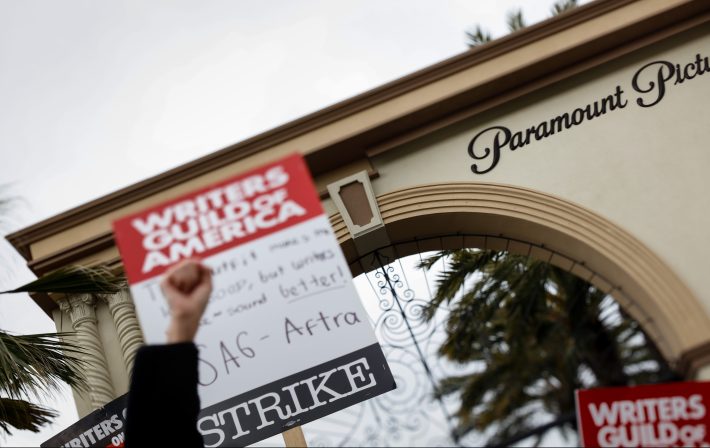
<point x="289" y="293"/>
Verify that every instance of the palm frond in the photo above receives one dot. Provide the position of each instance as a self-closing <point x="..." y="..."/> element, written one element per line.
<point x="539" y="333"/>
<point x="450" y="385"/>
<point x="30" y="364"/>
<point x="464" y="262"/>
<point x="431" y="260"/>
<point x="515" y="20"/>
<point x="561" y="6"/>
<point x="23" y="415"/>
<point x="75" y="280"/>
<point x="477" y="37"/>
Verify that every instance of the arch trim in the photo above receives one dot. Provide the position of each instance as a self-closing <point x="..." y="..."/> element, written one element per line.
<point x="643" y="284"/>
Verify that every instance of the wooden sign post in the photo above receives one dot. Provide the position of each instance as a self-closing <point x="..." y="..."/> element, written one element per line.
<point x="294" y="437"/>
<point x="285" y="339"/>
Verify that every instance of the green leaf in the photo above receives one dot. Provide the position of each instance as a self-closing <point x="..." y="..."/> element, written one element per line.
<point x="23" y="415"/>
<point x="75" y="280"/>
<point x="477" y="37"/>
<point x="537" y="333"/>
<point x="38" y="363"/>
<point x="561" y="6"/>
<point x="515" y="20"/>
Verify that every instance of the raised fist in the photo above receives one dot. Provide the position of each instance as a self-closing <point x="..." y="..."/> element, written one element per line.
<point x="187" y="287"/>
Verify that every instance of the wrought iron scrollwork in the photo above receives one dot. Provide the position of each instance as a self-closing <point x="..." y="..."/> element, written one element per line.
<point x="395" y="293"/>
<point x="413" y="414"/>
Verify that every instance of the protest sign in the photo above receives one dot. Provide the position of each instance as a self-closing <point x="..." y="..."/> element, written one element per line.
<point x="673" y="414"/>
<point x="285" y="339"/>
<point x="102" y="428"/>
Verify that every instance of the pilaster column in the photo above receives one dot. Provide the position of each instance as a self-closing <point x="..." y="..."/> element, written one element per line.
<point x="129" y="332"/>
<point x="83" y="317"/>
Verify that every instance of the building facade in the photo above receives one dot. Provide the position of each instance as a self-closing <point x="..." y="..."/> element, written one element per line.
<point x="581" y="141"/>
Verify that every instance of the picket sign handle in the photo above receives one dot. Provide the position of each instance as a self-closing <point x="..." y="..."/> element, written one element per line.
<point x="294" y="437"/>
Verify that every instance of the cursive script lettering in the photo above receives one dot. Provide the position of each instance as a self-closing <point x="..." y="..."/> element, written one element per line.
<point x="494" y="139"/>
<point x="662" y="72"/>
<point x="651" y="81"/>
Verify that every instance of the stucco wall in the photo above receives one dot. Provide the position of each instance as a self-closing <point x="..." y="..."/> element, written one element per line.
<point x="642" y="168"/>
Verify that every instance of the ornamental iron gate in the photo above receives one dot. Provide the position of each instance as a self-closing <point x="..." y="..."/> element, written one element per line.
<point x="394" y="292"/>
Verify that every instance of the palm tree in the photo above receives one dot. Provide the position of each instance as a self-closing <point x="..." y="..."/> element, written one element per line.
<point x="39" y="363"/>
<point x="36" y="364"/>
<point x="515" y="21"/>
<point x="478" y="36"/>
<point x="563" y="6"/>
<point x="29" y="365"/>
<point x="536" y="333"/>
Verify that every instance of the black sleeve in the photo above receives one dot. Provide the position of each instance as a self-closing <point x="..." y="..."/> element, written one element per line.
<point x="162" y="401"/>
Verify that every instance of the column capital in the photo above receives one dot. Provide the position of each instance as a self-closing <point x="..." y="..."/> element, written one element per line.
<point x="81" y="308"/>
<point x="122" y="297"/>
<point x="64" y="304"/>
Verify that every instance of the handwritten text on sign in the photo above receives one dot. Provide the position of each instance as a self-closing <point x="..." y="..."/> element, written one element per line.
<point x="283" y="307"/>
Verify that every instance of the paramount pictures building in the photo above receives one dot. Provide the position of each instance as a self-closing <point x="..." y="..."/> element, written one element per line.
<point x="581" y="141"/>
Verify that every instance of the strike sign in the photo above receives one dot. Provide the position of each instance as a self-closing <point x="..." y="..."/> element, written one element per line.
<point x="672" y="414"/>
<point x="285" y="339"/>
<point x="102" y="428"/>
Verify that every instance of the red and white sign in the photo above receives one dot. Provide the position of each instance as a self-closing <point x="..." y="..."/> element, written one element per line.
<point x="213" y="219"/>
<point x="672" y="414"/>
<point x="284" y="339"/>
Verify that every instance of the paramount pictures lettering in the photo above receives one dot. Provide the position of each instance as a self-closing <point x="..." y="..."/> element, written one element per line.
<point x="652" y="81"/>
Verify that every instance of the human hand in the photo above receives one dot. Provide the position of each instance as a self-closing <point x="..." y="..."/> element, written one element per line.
<point x="187" y="287"/>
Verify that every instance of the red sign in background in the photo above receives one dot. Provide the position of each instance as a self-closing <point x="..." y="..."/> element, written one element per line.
<point x="673" y="414"/>
<point x="215" y="218"/>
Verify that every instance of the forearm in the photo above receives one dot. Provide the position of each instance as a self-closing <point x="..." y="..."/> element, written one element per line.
<point x="163" y="403"/>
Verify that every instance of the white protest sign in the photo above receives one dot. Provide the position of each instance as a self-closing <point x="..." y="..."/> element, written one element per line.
<point x="285" y="339"/>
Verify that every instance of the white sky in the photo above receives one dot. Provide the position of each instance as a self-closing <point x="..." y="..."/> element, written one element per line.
<point x="99" y="95"/>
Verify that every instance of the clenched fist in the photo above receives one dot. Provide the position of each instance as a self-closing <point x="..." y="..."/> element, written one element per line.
<point x="187" y="287"/>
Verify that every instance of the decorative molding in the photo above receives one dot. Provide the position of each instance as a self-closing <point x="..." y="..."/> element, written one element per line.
<point x="652" y="20"/>
<point x="82" y="312"/>
<point x="647" y="288"/>
<point x="695" y="360"/>
<point x="355" y="198"/>
<point x="72" y="254"/>
<point x="372" y="173"/>
<point x="130" y="337"/>
<point x="356" y="204"/>
<point x="102" y="241"/>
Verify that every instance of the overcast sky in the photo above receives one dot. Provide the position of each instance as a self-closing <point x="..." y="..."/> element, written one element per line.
<point x="98" y="95"/>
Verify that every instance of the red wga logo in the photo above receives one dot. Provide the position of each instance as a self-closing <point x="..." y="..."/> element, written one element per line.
<point x="673" y="414"/>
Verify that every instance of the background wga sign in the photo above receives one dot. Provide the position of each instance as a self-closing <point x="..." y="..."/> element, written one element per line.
<point x="674" y="414"/>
